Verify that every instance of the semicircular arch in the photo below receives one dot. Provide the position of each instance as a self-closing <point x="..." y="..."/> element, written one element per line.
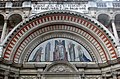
<point x="94" y="32"/>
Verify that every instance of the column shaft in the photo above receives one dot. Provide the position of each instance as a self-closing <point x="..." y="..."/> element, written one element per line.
<point x="115" y="32"/>
<point x="4" y="31"/>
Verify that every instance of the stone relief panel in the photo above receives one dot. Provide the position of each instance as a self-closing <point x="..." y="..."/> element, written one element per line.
<point x="60" y="49"/>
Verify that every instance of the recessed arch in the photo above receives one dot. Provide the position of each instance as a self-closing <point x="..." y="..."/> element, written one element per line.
<point x="117" y="19"/>
<point x="104" y="19"/>
<point x="1" y="20"/>
<point x="14" y="19"/>
<point x="1" y="24"/>
<point x="21" y="36"/>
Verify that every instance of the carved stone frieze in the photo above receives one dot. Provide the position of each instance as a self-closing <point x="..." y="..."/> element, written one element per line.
<point x="28" y="77"/>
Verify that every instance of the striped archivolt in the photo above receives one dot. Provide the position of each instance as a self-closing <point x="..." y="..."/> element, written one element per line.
<point x="87" y="29"/>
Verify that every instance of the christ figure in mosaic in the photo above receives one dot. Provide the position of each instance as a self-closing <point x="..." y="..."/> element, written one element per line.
<point x="60" y="51"/>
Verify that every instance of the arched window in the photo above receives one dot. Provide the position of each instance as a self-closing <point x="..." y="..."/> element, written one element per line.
<point x="13" y="20"/>
<point x="104" y="19"/>
<point x="117" y="23"/>
<point x="1" y="23"/>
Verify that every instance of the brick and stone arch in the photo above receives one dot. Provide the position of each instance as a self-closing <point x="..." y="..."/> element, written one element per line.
<point x="94" y="36"/>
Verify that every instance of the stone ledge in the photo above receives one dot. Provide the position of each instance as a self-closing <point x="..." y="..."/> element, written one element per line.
<point x="93" y="65"/>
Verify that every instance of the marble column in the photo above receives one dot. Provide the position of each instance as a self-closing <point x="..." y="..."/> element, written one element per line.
<point x="115" y="32"/>
<point x="4" y="30"/>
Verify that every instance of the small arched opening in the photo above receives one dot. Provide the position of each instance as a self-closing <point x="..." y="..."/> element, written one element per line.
<point x="117" y="23"/>
<point x="1" y="24"/>
<point x="105" y="20"/>
<point x="13" y="20"/>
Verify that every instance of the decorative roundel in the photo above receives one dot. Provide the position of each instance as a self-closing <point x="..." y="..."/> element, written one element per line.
<point x="25" y="37"/>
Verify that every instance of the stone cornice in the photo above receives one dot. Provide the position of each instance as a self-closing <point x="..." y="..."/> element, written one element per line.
<point x="91" y="65"/>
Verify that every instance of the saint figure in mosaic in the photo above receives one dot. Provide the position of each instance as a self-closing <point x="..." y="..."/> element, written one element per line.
<point x="71" y="50"/>
<point x="47" y="51"/>
<point x="81" y="55"/>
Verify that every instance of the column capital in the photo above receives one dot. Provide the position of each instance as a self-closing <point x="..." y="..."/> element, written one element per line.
<point x="16" y="75"/>
<point x="5" y="19"/>
<point x="112" y="20"/>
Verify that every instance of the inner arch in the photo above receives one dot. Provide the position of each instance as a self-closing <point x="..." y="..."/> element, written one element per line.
<point x="92" y="31"/>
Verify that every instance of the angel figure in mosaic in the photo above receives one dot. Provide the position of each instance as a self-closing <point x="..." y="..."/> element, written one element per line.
<point x="81" y="55"/>
<point x="47" y="51"/>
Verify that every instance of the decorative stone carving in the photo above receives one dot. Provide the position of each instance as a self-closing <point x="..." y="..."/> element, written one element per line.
<point x="61" y="68"/>
<point x="28" y="77"/>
